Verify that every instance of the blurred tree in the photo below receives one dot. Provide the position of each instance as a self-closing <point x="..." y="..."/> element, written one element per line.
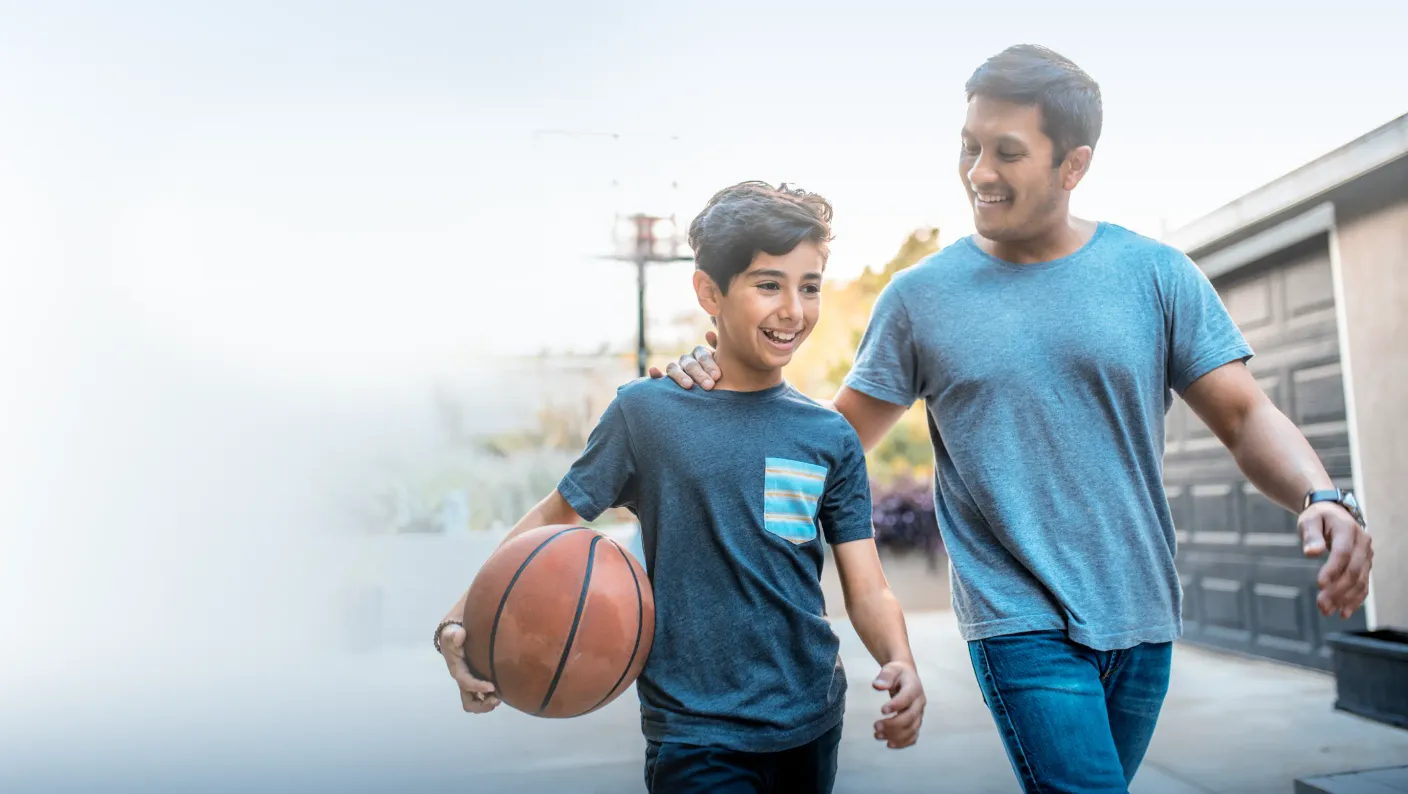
<point x="821" y="365"/>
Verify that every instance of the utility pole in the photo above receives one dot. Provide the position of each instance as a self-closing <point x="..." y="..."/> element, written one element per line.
<point x="643" y="240"/>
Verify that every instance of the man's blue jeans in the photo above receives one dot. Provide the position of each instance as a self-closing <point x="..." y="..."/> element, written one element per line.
<point x="1073" y="719"/>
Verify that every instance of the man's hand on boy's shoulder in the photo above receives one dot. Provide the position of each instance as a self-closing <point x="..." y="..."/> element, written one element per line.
<point x="694" y="367"/>
<point x="902" y="716"/>
<point x="477" y="697"/>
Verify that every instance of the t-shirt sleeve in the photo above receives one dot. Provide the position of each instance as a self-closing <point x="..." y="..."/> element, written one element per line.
<point x="886" y="365"/>
<point x="844" y="511"/>
<point x="604" y="475"/>
<point x="1201" y="334"/>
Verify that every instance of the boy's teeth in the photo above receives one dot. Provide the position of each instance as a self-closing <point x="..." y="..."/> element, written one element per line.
<point x="777" y="337"/>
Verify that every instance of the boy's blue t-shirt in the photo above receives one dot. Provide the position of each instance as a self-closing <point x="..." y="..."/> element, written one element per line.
<point x="1046" y="387"/>
<point x="733" y="491"/>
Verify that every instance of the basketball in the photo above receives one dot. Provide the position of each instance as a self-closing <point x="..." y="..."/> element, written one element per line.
<point x="560" y="620"/>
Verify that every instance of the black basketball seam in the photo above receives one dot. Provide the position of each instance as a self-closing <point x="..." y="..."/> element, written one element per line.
<point x="494" y="630"/>
<point x="576" y="620"/>
<point x="640" y="628"/>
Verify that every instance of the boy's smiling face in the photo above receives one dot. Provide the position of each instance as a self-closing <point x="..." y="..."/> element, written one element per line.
<point x="770" y="309"/>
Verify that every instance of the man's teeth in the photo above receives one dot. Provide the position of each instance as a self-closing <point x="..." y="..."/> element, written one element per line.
<point x="991" y="199"/>
<point x="778" y="336"/>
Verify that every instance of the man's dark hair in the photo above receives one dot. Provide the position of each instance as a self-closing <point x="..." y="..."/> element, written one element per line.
<point x="752" y="217"/>
<point x="1028" y="74"/>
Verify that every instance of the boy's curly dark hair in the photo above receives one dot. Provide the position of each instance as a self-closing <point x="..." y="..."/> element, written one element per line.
<point x="751" y="217"/>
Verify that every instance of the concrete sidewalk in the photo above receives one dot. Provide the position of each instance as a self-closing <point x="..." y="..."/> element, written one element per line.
<point x="1231" y="725"/>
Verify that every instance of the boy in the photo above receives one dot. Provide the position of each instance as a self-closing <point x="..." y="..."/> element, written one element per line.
<point x="744" y="689"/>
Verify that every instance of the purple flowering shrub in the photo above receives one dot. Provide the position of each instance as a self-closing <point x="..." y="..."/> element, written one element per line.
<point x="903" y="514"/>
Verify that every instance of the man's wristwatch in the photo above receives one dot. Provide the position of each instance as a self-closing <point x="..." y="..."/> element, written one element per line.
<point x="1344" y="499"/>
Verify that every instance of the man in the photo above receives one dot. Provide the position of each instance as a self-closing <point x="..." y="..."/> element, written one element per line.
<point x="1047" y="349"/>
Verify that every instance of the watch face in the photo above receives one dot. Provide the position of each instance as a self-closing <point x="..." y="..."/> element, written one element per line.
<point x="1352" y="505"/>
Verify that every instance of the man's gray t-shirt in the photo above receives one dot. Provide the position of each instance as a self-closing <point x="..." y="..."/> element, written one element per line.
<point x="734" y="492"/>
<point x="1047" y="387"/>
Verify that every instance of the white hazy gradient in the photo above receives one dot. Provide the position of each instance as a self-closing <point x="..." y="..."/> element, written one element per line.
<point x="175" y="564"/>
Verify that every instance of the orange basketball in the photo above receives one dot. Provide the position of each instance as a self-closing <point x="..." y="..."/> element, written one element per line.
<point x="560" y="619"/>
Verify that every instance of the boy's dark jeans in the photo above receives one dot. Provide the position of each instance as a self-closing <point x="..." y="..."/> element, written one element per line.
<point x="687" y="769"/>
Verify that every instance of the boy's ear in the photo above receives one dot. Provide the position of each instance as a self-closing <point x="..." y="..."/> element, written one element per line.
<point x="707" y="292"/>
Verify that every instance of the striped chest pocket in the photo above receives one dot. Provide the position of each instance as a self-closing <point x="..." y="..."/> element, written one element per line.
<point x="791" y="493"/>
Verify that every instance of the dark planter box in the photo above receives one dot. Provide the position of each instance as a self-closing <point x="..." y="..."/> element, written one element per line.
<point x="1371" y="673"/>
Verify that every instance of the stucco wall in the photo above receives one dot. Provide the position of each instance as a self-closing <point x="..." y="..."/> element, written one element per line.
<point x="1373" y="253"/>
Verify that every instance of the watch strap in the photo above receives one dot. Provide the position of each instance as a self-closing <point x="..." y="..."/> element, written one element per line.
<point x="1340" y="497"/>
<point x="1331" y="495"/>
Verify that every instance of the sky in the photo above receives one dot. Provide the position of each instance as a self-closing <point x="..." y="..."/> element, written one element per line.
<point x="337" y="188"/>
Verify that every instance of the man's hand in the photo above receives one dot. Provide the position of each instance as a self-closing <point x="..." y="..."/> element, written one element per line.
<point x="476" y="696"/>
<point x="904" y="713"/>
<point x="696" y="367"/>
<point x="1344" y="578"/>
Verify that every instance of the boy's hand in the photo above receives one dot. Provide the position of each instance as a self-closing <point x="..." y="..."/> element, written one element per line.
<point x="476" y="696"/>
<point x="696" y="367"/>
<point x="904" y="713"/>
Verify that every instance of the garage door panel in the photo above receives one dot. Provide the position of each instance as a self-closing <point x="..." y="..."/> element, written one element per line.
<point x="1283" y="603"/>
<point x="1247" y="585"/>
<point x="1214" y="509"/>
<point x="1249" y="304"/>
<point x="1309" y="285"/>
<point x="1224" y="605"/>
<point x="1318" y="394"/>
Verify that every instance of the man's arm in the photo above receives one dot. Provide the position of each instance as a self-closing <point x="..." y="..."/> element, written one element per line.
<point x="879" y="621"/>
<point x="1273" y="454"/>
<point x="872" y="418"/>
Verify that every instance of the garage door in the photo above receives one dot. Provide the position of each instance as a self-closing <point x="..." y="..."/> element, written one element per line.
<point x="1247" y="587"/>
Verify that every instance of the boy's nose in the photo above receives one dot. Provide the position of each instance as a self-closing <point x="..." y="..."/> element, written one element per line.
<point x="790" y="309"/>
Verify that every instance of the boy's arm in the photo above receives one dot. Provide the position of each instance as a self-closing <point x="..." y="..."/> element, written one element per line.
<point x="845" y="515"/>
<point x="477" y="696"/>
<point x="878" y="619"/>
<point x="870" y="604"/>
<point x="553" y="509"/>
<point x="602" y="476"/>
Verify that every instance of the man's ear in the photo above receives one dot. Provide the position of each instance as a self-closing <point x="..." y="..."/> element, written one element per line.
<point x="1076" y="166"/>
<point x="708" y="293"/>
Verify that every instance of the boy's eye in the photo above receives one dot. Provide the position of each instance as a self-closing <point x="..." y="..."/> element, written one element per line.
<point x="810" y="289"/>
<point x="768" y="285"/>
